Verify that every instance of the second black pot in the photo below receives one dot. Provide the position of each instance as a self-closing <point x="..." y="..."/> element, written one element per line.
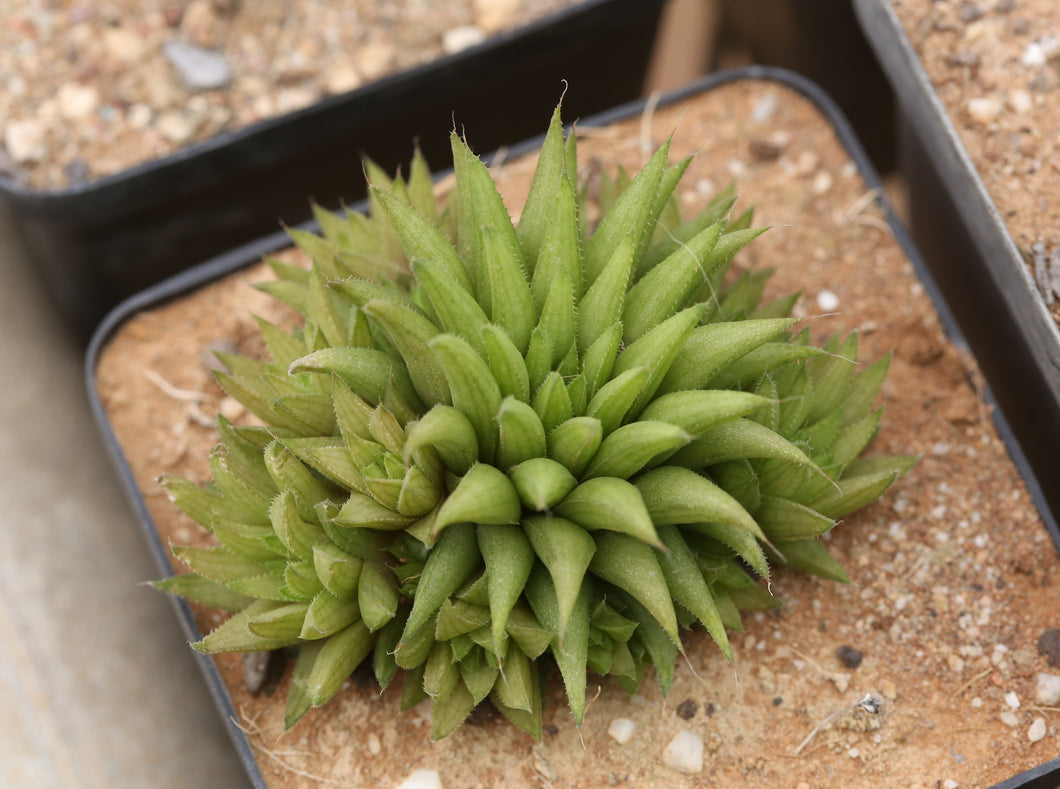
<point x="97" y="244"/>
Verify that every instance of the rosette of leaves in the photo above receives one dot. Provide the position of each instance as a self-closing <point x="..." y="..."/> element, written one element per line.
<point x="493" y="447"/>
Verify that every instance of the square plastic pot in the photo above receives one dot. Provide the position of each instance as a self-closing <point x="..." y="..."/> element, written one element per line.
<point x="102" y="242"/>
<point x="969" y="250"/>
<point x="235" y="261"/>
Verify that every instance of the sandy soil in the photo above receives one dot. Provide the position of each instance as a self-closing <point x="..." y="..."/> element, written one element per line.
<point x="996" y="66"/>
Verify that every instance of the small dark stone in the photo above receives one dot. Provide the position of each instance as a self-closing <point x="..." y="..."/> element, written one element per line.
<point x="1049" y="645"/>
<point x="76" y="172"/>
<point x="969" y="59"/>
<point x="777" y="701"/>
<point x="687" y="709"/>
<point x="225" y="7"/>
<point x="850" y="657"/>
<point x="552" y="729"/>
<point x="970" y="12"/>
<point x="1021" y="26"/>
<point x="766" y="150"/>
<point x="262" y="672"/>
<point x="709" y="709"/>
<point x="1004" y="6"/>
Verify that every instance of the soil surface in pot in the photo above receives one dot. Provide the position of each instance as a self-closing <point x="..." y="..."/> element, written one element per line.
<point x="91" y="88"/>
<point x="996" y="67"/>
<point x="954" y="577"/>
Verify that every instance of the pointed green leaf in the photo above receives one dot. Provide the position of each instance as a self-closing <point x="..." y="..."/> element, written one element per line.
<point x="449" y="564"/>
<point x="421" y="240"/>
<point x="667" y="288"/>
<point x="631" y="447"/>
<point x="338" y="657"/>
<point x="410" y="333"/>
<point x="506" y="363"/>
<point x="601" y="305"/>
<point x="627" y="220"/>
<point x="538" y="214"/>
<point x="570" y="643"/>
<point x="609" y="503"/>
<point x="675" y="495"/>
<point x="511" y="302"/>
<point x="199" y="589"/>
<point x="448" y="432"/>
<point x="565" y="548"/>
<point x="552" y="402"/>
<point x="483" y="495"/>
<point x="631" y="565"/>
<point x="475" y="391"/>
<point x="541" y="482"/>
<point x="521" y="433"/>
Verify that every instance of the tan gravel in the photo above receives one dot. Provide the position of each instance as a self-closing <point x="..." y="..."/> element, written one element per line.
<point x="93" y="87"/>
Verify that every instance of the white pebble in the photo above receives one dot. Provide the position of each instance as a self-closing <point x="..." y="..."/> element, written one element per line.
<point x="422" y="779"/>
<point x="621" y="730"/>
<point x="853" y="753"/>
<point x="807" y="162"/>
<point x="175" y="126"/>
<point x="1038" y="52"/>
<point x="984" y="110"/>
<point x="77" y="101"/>
<point x="24" y="140"/>
<point x="1009" y="718"/>
<point x="374" y="60"/>
<point x="200" y="68"/>
<point x="460" y="38"/>
<point x="341" y="78"/>
<point x="231" y="409"/>
<point x="139" y="116"/>
<point x="822" y="182"/>
<point x="292" y="99"/>
<point x="375" y="747"/>
<point x="1047" y="691"/>
<point x="1036" y="731"/>
<point x="977" y="702"/>
<point x="1012" y="699"/>
<point x="949" y="783"/>
<point x="736" y="168"/>
<point x="684" y="753"/>
<point x="1020" y="101"/>
<point x="764" y="108"/>
<point x="827" y="300"/>
<point x="124" y="44"/>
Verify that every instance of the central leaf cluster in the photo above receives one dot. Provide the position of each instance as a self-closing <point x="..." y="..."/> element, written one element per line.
<point x="490" y="443"/>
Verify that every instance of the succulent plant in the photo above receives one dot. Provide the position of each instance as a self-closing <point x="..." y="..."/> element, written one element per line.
<point x="493" y="448"/>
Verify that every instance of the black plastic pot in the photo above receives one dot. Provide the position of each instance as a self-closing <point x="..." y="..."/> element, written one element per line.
<point x="821" y="40"/>
<point x="972" y="255"/>
<point x="99" y="243"/>
<point x="191" y="280"/>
